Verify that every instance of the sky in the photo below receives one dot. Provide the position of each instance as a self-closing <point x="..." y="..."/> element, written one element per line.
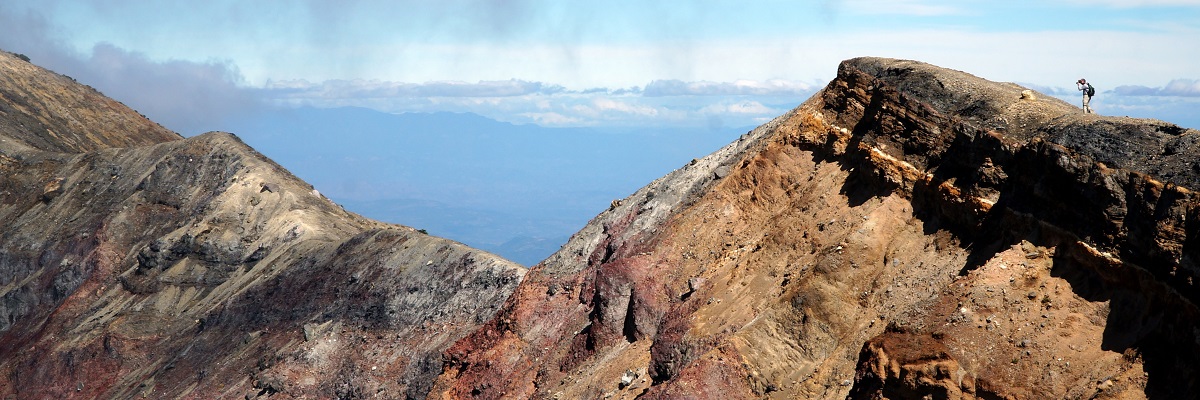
<point x="690" y="72"/>
<point x="191" y="65"/>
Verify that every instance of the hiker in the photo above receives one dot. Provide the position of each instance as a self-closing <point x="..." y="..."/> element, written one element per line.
<point x="1088" y="92"/>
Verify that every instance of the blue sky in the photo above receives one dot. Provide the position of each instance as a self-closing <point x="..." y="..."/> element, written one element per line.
<point x="665" y="80"/>
<point x="189" y="64"/>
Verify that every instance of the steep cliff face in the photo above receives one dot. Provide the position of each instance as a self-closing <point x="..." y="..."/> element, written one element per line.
<point x="135" y="263"/>
<point x="909" y="231"/>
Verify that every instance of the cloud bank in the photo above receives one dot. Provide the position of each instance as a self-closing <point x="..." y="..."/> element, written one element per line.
<point x="196" y="96"/>
<point x="1176" y="87"/>
<point x="659" y="103"/>
<point x="775" y="87"/>
<point x="186" y="96"/>
<point x="193" y="97"/>
<point x="366" y="89"/>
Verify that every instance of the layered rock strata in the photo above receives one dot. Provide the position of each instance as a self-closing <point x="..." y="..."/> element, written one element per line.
<point x="909" y="231"/>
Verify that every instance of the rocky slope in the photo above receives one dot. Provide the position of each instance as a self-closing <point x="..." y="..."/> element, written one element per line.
<point x="135" y="263"/>
<point x="909" y="231"/>
<point x="45" y="111"/>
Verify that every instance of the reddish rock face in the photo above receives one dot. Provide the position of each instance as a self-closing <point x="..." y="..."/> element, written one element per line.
<point x="902" y="365"/>
<point x="908" y="231"/>
<point x="137" y="264"/>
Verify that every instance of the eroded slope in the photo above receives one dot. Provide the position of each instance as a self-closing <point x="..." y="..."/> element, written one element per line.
<point x="908" y="231"/>
<point x="46" y="111"/>
<point x="137" y="267"/>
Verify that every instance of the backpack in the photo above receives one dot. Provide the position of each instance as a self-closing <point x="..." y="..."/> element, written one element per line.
<point x="1091" y="91"/>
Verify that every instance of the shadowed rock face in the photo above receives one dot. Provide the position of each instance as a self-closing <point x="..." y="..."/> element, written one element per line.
<point x="135" y="263"/>
<point x="909" y="231"/>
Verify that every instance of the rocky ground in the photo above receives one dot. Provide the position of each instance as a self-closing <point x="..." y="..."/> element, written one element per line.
<point x="910" y="231"/>
<point x="138" y="264"/>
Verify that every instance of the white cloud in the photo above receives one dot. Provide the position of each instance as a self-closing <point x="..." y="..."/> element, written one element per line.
<point x="750" y="107"/>
<point x="560" y="82"/>
<point x="553" y="119"/>
<point x="1182" y="87"/>
<point x="673" y="103"/>
<point x="190" y="97"/>
<point x="609" y="105"/>
<point x="1176" y="87"/>
<point x="746" y="107"/>
<point x="1050" y="90"/>
<point x="1134" y="3"/>
<point x="774" y="87"/>
<point x="1180" y="110"/>
<point x="361" y="88"/>
<point x="922" y="8"/>
<point x="1047" y="58"/>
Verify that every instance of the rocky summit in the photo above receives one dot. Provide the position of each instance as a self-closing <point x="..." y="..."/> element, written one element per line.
<point x="135" y="263"/>
<point x="908" y="232"/>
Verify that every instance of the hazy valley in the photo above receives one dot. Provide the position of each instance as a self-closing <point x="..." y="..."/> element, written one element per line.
<point x="516" y="190"/>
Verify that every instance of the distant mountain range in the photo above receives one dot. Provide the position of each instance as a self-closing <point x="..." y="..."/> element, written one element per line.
<point x="516" y="190"/>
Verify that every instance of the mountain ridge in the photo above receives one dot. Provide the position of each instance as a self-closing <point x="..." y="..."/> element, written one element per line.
<point x="30" y="93"/>
<point x="908" y="231"/>
<point x="137" y="263"/>
<point x="902" y="203"/>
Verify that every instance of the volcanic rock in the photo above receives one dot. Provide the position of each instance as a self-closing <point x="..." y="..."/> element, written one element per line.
<point x="910" y="231"/>
<point x="879" y="241"/>
<point x="138" y="264"/>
